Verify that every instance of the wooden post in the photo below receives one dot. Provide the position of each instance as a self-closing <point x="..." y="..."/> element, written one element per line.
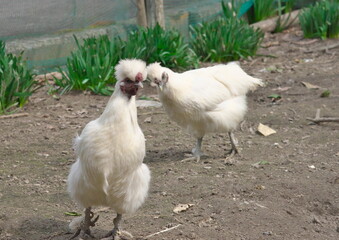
<point x="159" y="13"/>
<point x="149" y="12"/>
<point x="142" y="19"/>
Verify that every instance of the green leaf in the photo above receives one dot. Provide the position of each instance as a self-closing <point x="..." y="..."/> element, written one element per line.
<point x="274" y="96"/>
<point x="16" y="81"/>
<point x="264" y="162"/>
<point x="325" y="93"/>
<point x="72" y="214"/>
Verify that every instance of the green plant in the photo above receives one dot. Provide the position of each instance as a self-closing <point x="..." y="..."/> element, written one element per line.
<point x="91" y="66"/>
<point x="16" y="81"/>
<point x="262" y="9"/>
<point x="255" y="10"/>
<point x="321" y="20"/>
<point x="159" y="45"/>
<point x="225" y="40"/>
<point x="284" y="6"/>
<point x="234" y="8"/>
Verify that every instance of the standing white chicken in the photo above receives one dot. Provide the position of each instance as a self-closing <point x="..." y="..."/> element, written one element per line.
<point x="110" y="151"/>
<point x="204" y="100"/>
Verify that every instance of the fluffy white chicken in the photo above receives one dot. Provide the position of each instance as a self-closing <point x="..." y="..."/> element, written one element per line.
<point x="109" y="169"/>
<point x="204" y="100"/>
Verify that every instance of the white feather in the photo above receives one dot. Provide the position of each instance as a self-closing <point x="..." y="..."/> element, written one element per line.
<point x="109" y="169"/>
<point x="211" y="99"/>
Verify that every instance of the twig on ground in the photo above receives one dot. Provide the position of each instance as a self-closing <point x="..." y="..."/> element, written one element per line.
<point x="15" y="115"/>
<point x="324" y="48"/>
<point x="319" y="119"/>
<point x="162" y="231"/>
<point x="294" y="112"/>
<point x="306" y="42"/>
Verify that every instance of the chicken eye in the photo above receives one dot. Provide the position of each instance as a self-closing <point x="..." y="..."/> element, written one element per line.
<point x="127" y="80"/>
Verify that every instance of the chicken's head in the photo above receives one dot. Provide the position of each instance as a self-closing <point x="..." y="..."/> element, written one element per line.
<point x="157" y="74"/>
<point x="130" y="73"/>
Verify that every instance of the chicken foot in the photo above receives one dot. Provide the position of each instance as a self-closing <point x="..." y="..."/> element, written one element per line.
<point x="86" y="224"/>
<point x="115" y="230"/>
<point x="197" y="153"/>
<point x="234" y="143"/>
<point x="234" y="149"/>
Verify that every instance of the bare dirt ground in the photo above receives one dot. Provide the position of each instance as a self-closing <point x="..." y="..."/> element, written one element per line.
<point x="284" y="186"/>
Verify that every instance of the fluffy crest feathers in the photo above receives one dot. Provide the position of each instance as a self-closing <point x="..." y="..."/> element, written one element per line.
<point x="154" y="70"/>
<point x="129" y="68"/>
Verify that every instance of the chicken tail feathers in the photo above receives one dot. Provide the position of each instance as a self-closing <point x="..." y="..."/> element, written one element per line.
<point x="235" y="78"/>
<point x="76" y="141"/>
<point x="257" y="83"/>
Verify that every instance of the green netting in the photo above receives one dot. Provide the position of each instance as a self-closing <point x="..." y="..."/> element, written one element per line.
<point x="44" y="28"/>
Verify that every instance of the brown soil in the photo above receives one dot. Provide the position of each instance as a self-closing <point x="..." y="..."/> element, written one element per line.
<point x="284" y="186"/>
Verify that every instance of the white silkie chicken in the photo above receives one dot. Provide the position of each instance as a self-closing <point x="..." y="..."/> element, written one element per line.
<point x="211" y="99"/>
<point x="109" y="169"/>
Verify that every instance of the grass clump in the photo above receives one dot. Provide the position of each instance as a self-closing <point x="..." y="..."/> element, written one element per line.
<point x="321" y="20"/>
<point x="158" y="45"/>
<point x="16" y="81"/>
<point x="261" y="10"/>
<point x="91" y="66"/>
<point x="257" y="10"/>
<point x="252" y="10"/>
<point x="225" y="40"/>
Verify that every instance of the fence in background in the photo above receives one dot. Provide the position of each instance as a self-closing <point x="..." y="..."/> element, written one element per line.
<point x="44" y="29"/>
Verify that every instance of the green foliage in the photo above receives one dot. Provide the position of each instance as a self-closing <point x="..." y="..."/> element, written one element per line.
<point x="235" y="8"/>
<point x="284" y="6"/>
<point x="321" y="20"/>
<point x="325" y="93"/>
<point x="73" y="214"/>
<point x="159" y="45"/>
<point x="256" y="10"/>
<point x="262" y="9"/>
<point x="91" y="66"/>
<point x="16" y="81"/>
<point x="225" y="40"/>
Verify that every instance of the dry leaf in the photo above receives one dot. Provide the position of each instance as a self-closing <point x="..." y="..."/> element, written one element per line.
<point x="281" y="89"/>
<point x="148" y="120"/>
<point x="310" y="86"/>
<point x="182" y="207"/>
<point x="265" y="130"/>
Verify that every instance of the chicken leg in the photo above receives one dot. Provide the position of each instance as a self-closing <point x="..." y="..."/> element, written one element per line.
<point x="115" y="230"/>
<point x="197" y="153"/>
<point x="197" y="150"/>
<point x="86" y="224"/>
<point x="234" y="143"/>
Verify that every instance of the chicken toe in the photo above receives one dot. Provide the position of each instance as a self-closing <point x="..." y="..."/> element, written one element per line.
<point x="234" y="143"/>
<point x="111" y="234"/>
<point x="234" y="151"/>
<point x="84" y="228"/>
